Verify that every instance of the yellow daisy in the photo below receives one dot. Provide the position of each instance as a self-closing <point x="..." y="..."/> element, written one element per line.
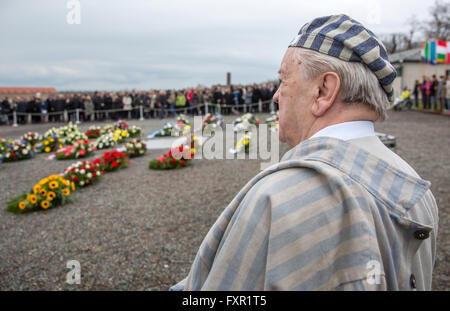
<point x="47" y="149"/>
<point x="33" y="199"/>
<point x="43" y="181"/>
<point x="45" y="204"/>
<point x="22" y="205"/>
<point x="53" y="184"/>
<point x="51" y="195"/>
<point x="45" y="142"/>
<point x="36" y="189"/>
<point x="72" y="185"/>
<point x="66" y="192"/>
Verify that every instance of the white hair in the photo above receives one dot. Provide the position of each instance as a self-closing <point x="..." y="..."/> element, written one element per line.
<point x="358" y="83"/>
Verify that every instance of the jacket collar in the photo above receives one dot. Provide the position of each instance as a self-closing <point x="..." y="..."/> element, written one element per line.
<point x="394" y="187"/>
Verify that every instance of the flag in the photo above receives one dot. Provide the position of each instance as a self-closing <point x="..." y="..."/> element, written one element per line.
<point x="432" y="56"/>
<point x="425" y="51"/>
<point x="441" y="51"/>
<point x="422" y="52"/>
<point x="448" y="52"/>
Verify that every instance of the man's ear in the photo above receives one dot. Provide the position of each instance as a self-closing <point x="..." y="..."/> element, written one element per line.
<point x="329" y="85"/>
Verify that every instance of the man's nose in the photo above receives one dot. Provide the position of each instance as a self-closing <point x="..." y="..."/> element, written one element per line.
<point x="276" y="96"/>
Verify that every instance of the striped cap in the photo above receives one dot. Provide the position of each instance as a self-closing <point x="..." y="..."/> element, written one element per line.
<point x="343" y="37"/>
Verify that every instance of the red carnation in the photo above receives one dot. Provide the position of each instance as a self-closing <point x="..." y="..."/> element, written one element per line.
<point x="82" y="152"/>
<point x="181" y="148"/>
<point x="94" y="175"/>
<point x="75" y="178"/>
<point x="174" y="160"/>
<point x="182" y="162"/>
<point x="114" y="164"/>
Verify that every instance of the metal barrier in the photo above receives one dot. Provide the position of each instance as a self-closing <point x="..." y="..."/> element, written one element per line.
<point x="105" y="114"/>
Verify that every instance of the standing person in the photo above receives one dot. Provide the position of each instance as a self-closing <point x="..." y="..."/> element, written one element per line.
<point x="207" y="99"/>
<point x="189" y="95"/>
<point x="89" y="108"/>
<point x="97" y="100"/>
<point x="117" y="106"/>
<point x="153" y="106"/>
<point x="171" y="101"/>
<point x="248" y="99"/>
<point x="447" y="93"/>
<point x="43" y="106"/>
<point x="68" y="106"/>
<point x="22" y="108"/>
<point x="433" y="90"/>
<point x="147" y="101"/>
<point x="416" y="93"/>
<point x="33" y="108"/>
<point x="194" y="103"/>
<point x="108" y="101"/>
<point x="127" y="105"/>
<point x="256" y="97"/>
<point x="180" y="101"/>
<point x="228" y="100"/>
<point x="265" y="96"/>
<point x="236" y="100"/>
<point x="441" y="93"/>
<point x="82" y="107"/>
<point x="217" y="100"/>
<point x="12" y="108"/>
<point x="162" y="103"/>
<point x="423" y="90"/>
<point x="51" y="108"/>
<point x="4" y="111"/>
<point x="339" y="202"/>
<point x="59" y="105"/>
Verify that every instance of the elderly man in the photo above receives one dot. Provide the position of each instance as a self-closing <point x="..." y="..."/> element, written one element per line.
<point x="340" y="211"/>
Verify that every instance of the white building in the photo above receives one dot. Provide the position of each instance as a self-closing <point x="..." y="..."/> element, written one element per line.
<point x="410" y="68"/>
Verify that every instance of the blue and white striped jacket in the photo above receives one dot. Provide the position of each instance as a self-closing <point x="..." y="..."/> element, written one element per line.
<point x="329" y="216"/>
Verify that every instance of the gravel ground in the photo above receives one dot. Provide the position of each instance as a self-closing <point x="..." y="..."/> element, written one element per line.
<point x="139" y="229"/>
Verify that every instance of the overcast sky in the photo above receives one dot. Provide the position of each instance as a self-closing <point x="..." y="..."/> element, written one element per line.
<point x="125" y="44"/>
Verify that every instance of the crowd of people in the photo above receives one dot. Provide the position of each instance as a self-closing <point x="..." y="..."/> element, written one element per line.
<point x="98" y="106"/>
<point x="433" y="93"/>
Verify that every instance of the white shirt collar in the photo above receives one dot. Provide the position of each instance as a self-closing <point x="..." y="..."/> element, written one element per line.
<point x="347" y="130"/>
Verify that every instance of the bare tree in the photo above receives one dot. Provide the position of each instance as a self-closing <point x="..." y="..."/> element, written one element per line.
<point x="439" y="24"/>
<point x="414" y="28"/>
<point x="394" y="42"/>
